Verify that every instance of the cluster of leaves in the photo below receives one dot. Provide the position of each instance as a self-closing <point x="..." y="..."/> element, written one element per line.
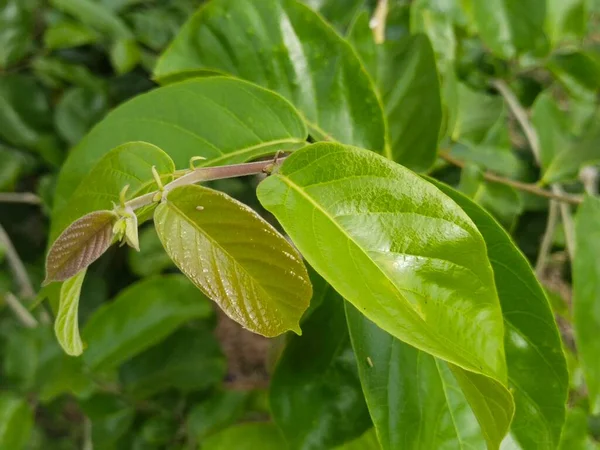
<point x="427" y="141"/>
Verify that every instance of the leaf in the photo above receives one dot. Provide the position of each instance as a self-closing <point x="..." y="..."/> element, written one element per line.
<point x="77" y="111"/>
<point x="510" y="28"/>
<point x="67" y="34"/>
<point x="140" y="317"/>
<point x="111" y="418"/>
<point x="95" y="15"/>
<point x="531" y="340"/>
<point x="413" y="398"/>
<point x="566" y="20"/>
<point x="405" y="255"/>
<point x="151" y="259"/>
<point x="248" y="436"/>
<point x="227" y="121"/>
<point x="58" y="73"/>
<point x="577" y="71"/>
<point x="124" y="55"/>
<point x="17" y="22"/>
<point x="235" y="257"/>
<point x="16" y="421"/>
<point x="315" y="395"/>
<point x="368" y="441"/>
<point x="283" y="46"/>
<point x="586" y="296"/>
<point x="406" y="78"/>
<point x="66" y="325"/>
<point x="215" y="413"/>
<point x="188" y="360"/>
<point x="575" y="434"/>
<point x="339" y="14"/>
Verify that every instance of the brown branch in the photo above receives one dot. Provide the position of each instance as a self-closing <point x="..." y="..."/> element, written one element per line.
<point x="526" y="187"/>
<point x="21" y="275"/>
<point x="20" y="197"/>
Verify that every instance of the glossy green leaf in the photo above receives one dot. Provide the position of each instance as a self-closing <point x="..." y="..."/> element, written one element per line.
<point x="227" y="121"/>
<point x="236" y="258"/>
<point x="124" y="55"/>
<point x="368" y="441"/>
<point x="413" y="398"/>
<point x="531" y="340"/>
<point x="16" y="421"/>
<point x="315" y="396"/>
<point x="339" y="14"/>
<point x="67" y="33"/>
<point x="17" y="23"/>
<point x="575" y="434"/>
<point x="152" y="258"/>
<point x="407" y="80"/>
<point x="141" y="316"/>
<point x="286" y="47"/>
<point x="406" y="256"/>
<point x="78" y="110"/>
<point x="586" y="296"/>
<point x="248" y="436"/>
<point x="511" y="27"/>
<point x="215" y="413"/>
<point x="96" y="15"/>
<point x="188" y="360"/>
<point x="66" y="325"/>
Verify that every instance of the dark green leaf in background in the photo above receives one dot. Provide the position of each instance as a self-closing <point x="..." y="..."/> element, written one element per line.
<point x="315" y="393"/>
<point x="566" y="20"/>
<point x="17" y="20"/>
<point x="152" y="258"/>
<point x="284" y="46"/>
<point x="67" y="33"/>
<point x="78" y="110"/>
<point x="577" y="71"/>
<point x="586" y="296"/>
<point x="111" y="418"/>
<point x="575" y="434"/>
<point x="16" y="421"/>
<point x="216" y="413"/>
<point x="95" y="15"/>
<point x="124" y="55"/>
<point x="236" y="258"/>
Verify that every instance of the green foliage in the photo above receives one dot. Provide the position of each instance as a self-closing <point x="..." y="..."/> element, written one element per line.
<point x="419" y="155"/>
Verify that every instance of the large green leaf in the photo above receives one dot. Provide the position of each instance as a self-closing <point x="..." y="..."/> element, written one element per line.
<point x="316" y="398"/>
<point x="141" y="316"/>
<point x="406" y="256"/>
<point x="188" y="360"/>
<point x="224" y="120"/>
<point x="248" y="436"/>
<point x="339" y="14"/>
<point x="413" y="398"/>
<point x="586" y="296"/>
<point x="531" y="340"/>
<point x="510" y="27"/>
<point x="16" y="421"/>
<point x="406" y="77"/>
<point x="235" y="257"/>
<point x="284" y="46"/>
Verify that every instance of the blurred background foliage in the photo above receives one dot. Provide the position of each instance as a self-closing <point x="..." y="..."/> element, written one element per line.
<point x="164" y="369"/>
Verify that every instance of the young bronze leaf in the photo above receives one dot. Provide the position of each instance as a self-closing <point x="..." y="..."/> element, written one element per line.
<point x="82" y="243"/>
<point x="236" y="258"/>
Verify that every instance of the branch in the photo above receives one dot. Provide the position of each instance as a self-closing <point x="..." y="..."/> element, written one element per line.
<point x="20" y="311"/>
<point x="20" y="197"/>
<point x="377" y="22"/>
<point x="547" y="240"/>
<point x="17" y="265"/>
<point x="527" y="187"/>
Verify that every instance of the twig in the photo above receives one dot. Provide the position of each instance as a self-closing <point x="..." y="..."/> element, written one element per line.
<point x="87" y="435"/>
<point x="378" y="21"/>
<point x="547" y="240"/>
<point x="20" y="197"/>
<point x="527" y="187"/>
<point x="18" y="268"/>
<point x="589" y="177"/>
<point x="567" y="221"/>
<point x="20" y="311"/>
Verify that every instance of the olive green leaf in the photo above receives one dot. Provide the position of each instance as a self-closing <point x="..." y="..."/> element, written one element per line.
<point x="16" y="421"/>
<point x="586" y="296"/>
<point x="66" y="325"/>
<point x="284" y="46"/>
<point x="246" y="436"/>
<point x="227" y="121"/>
<point x="82" y="243"/>
<point x="96" y="15"/>
<point x="235" y="257"/>
<point x="406" y="256"/>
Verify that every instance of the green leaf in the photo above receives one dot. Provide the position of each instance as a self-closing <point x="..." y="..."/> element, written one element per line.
<point x="95" y="15"/>
<point x="12" y="165"/>
<point x="368" y="441"/>
<point x="414" y="400"/>
<point x="286" y="47"/>
<point x="315" y="395"/>
<point x="111" y="418"/>
<point x="124" y="55"/>
<point x="339" y="14"/>
<point x="531" y="340"/>
<point x="58" y="73"/>
<point x="406" y="256"/>
<point x="249" y="436"/>
<point x="67" y="34"/>
<point x="586" y="296"/>
<point x="77" y="111"/>
<point x="16" y="421"/>
<point x="66" y="325"/>
<point x="217" y="412"/>
<point x="509" y="27"/>
<point x="21" y="356"/>
<point x="407" y="80"/>
<point x="151" y="259"/>
<point x="235" y="257"/>
<point x="188" y="360"/>
<point x="575" y="434"/>
<point x="17" y="22"/>
<point x="577" y="71"/>
<point x="141" y="316"/>
<point x="227" y="121"/>
<point x="566" y="20"/>
<point x="79" y="245"/>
